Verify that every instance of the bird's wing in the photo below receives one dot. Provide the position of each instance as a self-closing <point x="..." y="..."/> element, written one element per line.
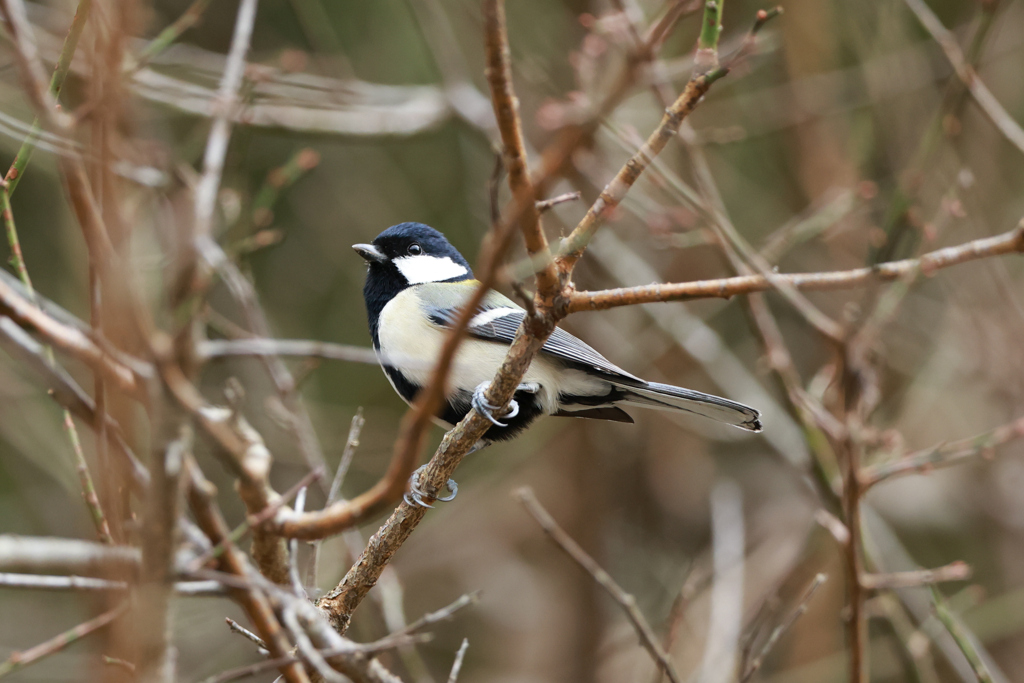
<point x="499" y="317"/>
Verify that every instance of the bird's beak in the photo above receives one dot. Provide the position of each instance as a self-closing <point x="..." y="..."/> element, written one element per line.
<point x="370" y="253"/>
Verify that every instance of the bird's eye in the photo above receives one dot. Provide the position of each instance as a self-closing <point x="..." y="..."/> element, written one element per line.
<point x="415" y="249"/>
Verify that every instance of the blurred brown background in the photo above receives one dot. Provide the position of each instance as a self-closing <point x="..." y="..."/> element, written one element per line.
<point x="846" y="126"/>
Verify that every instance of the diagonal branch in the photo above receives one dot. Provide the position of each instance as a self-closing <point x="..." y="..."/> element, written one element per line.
<point x="220" y="131"/>
<point x="987" y="102"/>
<point x="943" y="455"/>
<point x="628" y="603"/>
<point x="506" y="110"/>
<point x="615" y="191"/>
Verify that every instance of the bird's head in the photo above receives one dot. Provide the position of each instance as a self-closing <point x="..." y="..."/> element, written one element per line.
<point x="405" y="255"/>
<point x="413" y="254"/>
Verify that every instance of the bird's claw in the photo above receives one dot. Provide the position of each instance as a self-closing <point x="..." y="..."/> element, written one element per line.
<point x="485" y="409"/>
<point x="417" y="497"/>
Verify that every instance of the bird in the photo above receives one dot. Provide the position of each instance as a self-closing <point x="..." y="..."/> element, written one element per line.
<point x="416" y="284"/>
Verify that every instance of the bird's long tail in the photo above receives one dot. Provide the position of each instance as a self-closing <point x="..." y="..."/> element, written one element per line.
<point x="667" y="397"/>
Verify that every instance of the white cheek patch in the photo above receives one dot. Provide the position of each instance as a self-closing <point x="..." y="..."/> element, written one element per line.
<point x="481" y="319"/>
<point x="418" y="270"/>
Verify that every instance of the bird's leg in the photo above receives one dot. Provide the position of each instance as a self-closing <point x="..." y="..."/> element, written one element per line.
<point x="485" y="409"/>
<point x="418" y="497"/>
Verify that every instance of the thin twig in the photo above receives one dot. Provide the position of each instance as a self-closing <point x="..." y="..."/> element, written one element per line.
<point x="262" y="347"/>
<point x="60" y="72"/>
<point x="943" y="455"/>
<point x="572" y="247"/>
<point x="546" y="204"/>
<point x="63" y="389"/>
<point x="293" y="549"/>
<point x="706" y="59"/>
<point x="965" y="640"/>
<point x="254" y="521"/>
<point x="988" y="103"/>
<point x="20" y="660"/>
<point x="48" y="555"/>
<point x="347" y="455"/>
<point x="443" y="614"/>
<point x="244" y="632"/>
<point x="725" y="623"/>
<point x="955" y="571"/>
<point x="626" y="601"/>
<point x="220" y="129"/>
<point x="457" y="664"/>
<point x="170" y="34"/>
<point x="783" y="627"/>
<point x="80" y="583"/>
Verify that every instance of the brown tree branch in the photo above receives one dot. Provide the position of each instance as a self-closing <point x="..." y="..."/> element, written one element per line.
<point x="572" y="247"/>
<point x="943" y="455"/>
<point x="74" y="342"/>
<point x="20" y="660"/>
<point x="1007" y="243"/>
<point x="987" y="102"/>
<point x="506" y="110"/>
<point x="201" y="500"/>
<point x="67" y="556"/>
<point x="220" y="130"/>
<point x="955" y="571"/>
<point x="628" y="603"/>
<point x="781" y="629"/>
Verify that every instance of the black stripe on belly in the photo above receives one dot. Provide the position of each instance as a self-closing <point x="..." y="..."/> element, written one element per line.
<point x="406" y="389"/>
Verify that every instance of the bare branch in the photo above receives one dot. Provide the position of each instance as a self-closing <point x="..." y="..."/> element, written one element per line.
<point x="943" y="455"/>
<point x="220" y="130"/>
<point x="955" y="571"/>
<point x="506" y="110"/>
<point x="20" y="660"/>
<point x="625" y="600"/>
<point x="988" y="103"/>
<point x="781" y="629"/>
<point x="457" y="664"/>
<point x="572" y="247"/>
<point x="201" y="499"/>
<point x="546" y="204"/>
<point x="965" y="640"/>
<point x="66" y="556"/>
<point x="71" y="340"/>
<point x="1007" y="243"/>
<point x="81" y="583"/>
<point x="245" y="633"/>
<point x="256" y="346"/>
<point x="351" y="444"/>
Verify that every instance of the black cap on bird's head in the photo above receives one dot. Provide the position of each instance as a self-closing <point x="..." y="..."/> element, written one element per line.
<point x="404" y="255"/>
<point x="414" y="253"/>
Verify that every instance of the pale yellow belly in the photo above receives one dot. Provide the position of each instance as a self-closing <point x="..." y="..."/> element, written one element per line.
<point x="405" y="332"/>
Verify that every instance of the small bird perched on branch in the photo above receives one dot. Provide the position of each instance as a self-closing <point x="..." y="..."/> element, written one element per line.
<point x="416" y="284"/>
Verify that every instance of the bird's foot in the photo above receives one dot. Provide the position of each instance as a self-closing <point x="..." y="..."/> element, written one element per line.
<point x="485" y="409"/>
<point x="416" y="496"/>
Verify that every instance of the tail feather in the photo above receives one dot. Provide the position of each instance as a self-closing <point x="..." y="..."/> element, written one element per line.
<point x="667" y="397"/>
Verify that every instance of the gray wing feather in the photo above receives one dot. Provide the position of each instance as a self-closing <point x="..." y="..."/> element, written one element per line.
<point x="560" y="344"/>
